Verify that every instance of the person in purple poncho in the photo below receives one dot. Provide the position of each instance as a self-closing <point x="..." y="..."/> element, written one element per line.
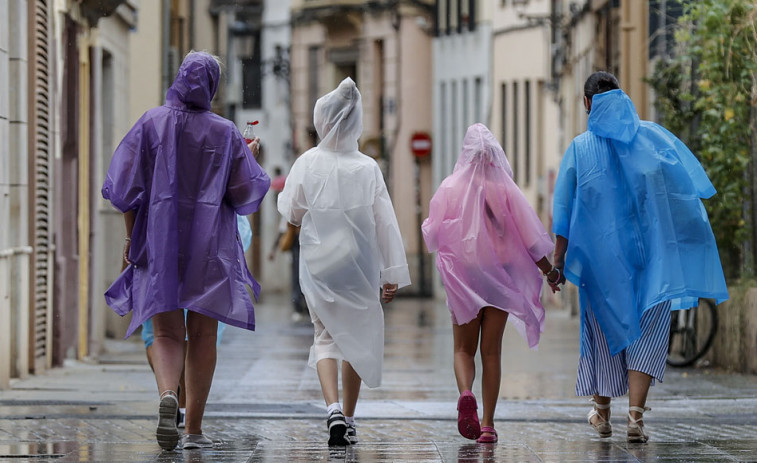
<point x="487" y="238"/>
<point x="179" y="176"/>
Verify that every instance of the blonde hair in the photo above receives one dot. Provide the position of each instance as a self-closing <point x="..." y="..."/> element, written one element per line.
<point x="215" y="57"/>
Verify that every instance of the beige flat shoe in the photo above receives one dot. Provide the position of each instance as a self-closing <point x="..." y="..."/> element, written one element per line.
<point x="636" y="433"/>
<point x="167" y="434"/>
<point x="602" y="425"/>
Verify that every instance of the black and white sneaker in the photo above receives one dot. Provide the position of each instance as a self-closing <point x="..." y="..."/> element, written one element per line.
<point x="337" y="429"/>
<point x="351" y="433"/>
<point x="181" y="417"/>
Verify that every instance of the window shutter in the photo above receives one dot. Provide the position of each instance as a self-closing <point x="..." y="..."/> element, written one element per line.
<point x="40" y="76"/>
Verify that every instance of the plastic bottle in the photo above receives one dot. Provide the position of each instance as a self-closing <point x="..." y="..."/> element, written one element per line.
<point x="249" y="132"/>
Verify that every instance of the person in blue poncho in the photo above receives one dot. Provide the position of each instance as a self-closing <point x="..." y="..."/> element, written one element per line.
<point x="633" y="235"/>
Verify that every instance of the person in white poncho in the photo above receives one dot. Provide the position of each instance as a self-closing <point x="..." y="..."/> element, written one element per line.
<point x="350" y="247"/>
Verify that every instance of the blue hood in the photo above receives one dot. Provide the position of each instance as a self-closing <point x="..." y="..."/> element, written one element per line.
<point x="195" y="83"/>
<point x="613" y="116"/>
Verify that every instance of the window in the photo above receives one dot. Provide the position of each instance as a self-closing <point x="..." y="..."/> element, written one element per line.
<point x="312" y="78"/>
<point x="527" y="123"/>
<point x="252" y="76"/>
<point x="440" y="26"/>
<point x="467" y="15"/>
<point x="454" y="115"/>
<point x="466" y="105"/>
<point x="448" y="16"/>
<point x="516" y="148"/>
<point x="444" y="130"/>
<point x="477" y="116"/>
<point x="463" y="22"/>
<point x="503" y="111"/>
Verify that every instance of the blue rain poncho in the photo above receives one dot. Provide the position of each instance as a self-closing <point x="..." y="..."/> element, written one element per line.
<point x="628" y="199"/>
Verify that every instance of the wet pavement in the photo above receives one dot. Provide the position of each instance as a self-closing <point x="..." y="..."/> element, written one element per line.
<point x="266" y="404"/>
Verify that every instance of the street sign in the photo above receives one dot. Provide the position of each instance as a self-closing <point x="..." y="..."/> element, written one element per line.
<point x="420" y="144"/>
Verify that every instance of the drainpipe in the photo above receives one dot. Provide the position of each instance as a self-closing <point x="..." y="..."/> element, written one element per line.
<point x="166" y="45"/>
<point x="83" y="220"/>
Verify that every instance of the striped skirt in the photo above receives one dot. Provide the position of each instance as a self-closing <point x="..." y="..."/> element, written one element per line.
<point x="606" y="376"/>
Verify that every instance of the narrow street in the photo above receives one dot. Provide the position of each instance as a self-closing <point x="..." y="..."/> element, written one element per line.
<point x="266" y="405"/>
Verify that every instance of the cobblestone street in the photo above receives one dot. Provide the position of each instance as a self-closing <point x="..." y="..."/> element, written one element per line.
<point x="266" y="405"/>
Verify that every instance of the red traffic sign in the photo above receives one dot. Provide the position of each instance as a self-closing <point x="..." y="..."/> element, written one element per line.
<point x="420" y="144"/>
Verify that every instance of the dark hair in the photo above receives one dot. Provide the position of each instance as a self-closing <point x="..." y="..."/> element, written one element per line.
<point x="600" y="82"/>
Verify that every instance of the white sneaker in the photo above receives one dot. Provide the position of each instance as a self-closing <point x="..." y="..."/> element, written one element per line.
<point x="195" y="441"/>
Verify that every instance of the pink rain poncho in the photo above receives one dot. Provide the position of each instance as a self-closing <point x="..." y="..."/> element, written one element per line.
<point x="185" y="172"/>
<point x="350" y="242"/>
<point x="487" y="238"/>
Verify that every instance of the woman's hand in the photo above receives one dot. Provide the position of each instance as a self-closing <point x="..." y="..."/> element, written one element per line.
<point x="388" y="293"/>
<point x="254" y="146"/>
<point x="127" y="247"/>
<point x="555" y="277"/>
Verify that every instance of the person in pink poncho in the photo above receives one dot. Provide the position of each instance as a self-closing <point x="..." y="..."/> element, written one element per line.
<point x="487" y="238"/>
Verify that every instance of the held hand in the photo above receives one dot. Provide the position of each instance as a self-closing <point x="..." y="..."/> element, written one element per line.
<point x="388" y="293"/>
<point x="254" y="146"/>
<point x="555" y="277"/>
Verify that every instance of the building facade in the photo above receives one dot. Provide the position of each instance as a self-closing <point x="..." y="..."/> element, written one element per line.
<point x="462" y="63"/>
<point x="55" y="66"/>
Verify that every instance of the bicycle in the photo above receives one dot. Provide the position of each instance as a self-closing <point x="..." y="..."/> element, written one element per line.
<point x="691" y="333"/>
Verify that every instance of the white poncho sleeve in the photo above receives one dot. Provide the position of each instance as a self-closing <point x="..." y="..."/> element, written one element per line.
<point x="394" y="268"/>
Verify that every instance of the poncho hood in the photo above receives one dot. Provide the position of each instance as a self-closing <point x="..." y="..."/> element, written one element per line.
<point x="481" y="147"/>
<point x="613" y="116"/>
<point x="338" y="118"/>
<point x="195" y="84"/>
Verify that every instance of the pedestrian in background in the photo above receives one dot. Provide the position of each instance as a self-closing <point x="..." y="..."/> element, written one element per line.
<point x="179" y="176"/>
<point x="487" y="238"/>
<point x="287" y="240"/>
<point x="350" y="246"/>
<point x="634" y="237"/>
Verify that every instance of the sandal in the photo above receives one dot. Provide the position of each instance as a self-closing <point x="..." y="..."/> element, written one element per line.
<point x="488" y="435"/>
<point x="167" y="434"/>
<point x="636" y="432"/>
<point x="467" y="416"/>
<point x="602" y="426"/>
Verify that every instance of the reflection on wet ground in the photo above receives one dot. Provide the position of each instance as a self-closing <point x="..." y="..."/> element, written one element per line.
<point x="266" y="404"/>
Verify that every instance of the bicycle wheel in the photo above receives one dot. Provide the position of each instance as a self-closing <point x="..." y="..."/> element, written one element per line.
<point x="691" y="333"/>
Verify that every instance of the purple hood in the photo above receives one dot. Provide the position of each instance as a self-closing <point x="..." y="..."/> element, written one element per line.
<point x="195" y="84"/>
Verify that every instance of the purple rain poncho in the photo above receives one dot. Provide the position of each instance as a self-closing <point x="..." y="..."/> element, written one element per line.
<point x="487" y="238"/>
<point x="627" y="198"/>
<point x="350" y="241"/>
<point x="185" y="172"/>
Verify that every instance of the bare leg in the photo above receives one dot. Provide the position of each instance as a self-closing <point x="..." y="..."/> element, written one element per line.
<point x="350" y="388"/>
<point x="492" y="328"/>
<point x="638" y="387"/>
<point x="148" y="351"/>
<point x="328" y="375"/>
<point x="182" y="390"/>
<point x="466" y="344"/>
<point x="200" y="366"/>
<point x="167" y="351"/>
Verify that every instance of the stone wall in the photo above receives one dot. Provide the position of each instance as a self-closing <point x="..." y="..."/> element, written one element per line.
<point x="735" y="344"/>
